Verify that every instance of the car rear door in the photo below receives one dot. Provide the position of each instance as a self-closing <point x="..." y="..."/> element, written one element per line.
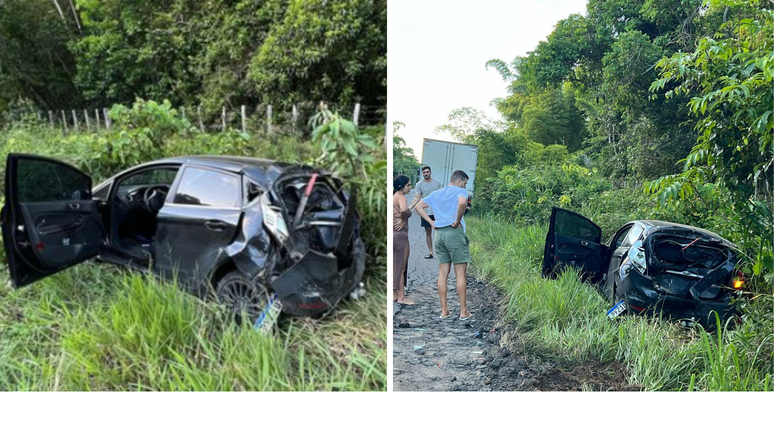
<point x="50" y="221"/>
<point x="573" y="241"/>
<point x="198" y="221"/>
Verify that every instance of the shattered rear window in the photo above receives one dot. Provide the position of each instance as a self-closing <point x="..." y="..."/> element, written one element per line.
<point x="690" y="252"/>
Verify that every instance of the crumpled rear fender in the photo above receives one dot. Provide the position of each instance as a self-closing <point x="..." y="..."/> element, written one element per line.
<point x="251" y="248"/>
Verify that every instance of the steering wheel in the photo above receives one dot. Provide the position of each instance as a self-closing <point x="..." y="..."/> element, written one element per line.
<point x="154" y="196"/>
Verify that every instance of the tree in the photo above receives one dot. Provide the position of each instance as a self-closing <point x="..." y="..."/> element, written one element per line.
<point x="325" y="50"/>
<point x="403" y="159"/>
<point x="464" y="122"/>
<point x="35" y="63"/>
<point x="551" y="117"/>
<point x="729" y="79"/>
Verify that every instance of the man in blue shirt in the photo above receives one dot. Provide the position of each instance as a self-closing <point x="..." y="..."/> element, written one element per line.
<point x="451" y="243"/>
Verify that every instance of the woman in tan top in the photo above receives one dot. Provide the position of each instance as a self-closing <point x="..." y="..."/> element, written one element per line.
<point x="400" y="241"/>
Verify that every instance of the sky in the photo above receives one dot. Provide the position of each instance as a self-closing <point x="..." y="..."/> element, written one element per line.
<point x="437" y="51"/>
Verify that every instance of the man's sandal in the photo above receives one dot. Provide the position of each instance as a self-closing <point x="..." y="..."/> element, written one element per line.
<point x="428" y="256"/>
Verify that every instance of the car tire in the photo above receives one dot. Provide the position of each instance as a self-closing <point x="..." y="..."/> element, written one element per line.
<point x="243" y="298"/>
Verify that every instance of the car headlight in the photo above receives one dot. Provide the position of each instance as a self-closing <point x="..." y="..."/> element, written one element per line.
<point x="637" y="257"/>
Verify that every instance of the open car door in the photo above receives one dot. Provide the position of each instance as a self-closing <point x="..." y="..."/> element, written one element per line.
<point x="49" y="220"/>
<point x="573" y="241"/>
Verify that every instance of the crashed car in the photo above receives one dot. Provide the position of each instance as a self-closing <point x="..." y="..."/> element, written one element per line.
<point x="253" y="230"/>
<point x="654" y="267"/>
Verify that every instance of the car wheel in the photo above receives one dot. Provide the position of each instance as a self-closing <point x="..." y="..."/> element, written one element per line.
<point x="244" y="298"/>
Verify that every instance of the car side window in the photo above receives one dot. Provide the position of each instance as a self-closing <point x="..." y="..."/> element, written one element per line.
<point x="619" y="240"/>
<point x="633" y="235"/>
<point x="153" y="176"/>
<point x="43" y="180"/>
<point x="209" y="188"/>
<point x="102" y="193"/>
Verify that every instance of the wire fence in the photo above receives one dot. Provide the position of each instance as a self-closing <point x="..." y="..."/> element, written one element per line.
<point x="266" y="118"/>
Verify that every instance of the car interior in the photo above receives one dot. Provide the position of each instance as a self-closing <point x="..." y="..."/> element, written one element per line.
<point x="135" y="207"/>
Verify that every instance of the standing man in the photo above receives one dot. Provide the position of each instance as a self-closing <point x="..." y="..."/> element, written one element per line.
<point x="427" y="186"/>
<point x="451" y="243"/>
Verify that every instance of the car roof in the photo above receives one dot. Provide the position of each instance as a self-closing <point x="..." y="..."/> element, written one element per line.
<point x="652" y="225"/>
<point x="263" y="171"/>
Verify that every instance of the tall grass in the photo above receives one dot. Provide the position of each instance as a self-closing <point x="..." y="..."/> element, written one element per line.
<point x="126" y="331"/>
<point x="565" y="320"/>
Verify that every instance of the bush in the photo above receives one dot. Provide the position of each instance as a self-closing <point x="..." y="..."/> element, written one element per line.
<point x="528" y="194"/>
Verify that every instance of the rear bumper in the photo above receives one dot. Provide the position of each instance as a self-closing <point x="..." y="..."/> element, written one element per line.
<point x="316" y="283"/>
<point x="642" y="298"/>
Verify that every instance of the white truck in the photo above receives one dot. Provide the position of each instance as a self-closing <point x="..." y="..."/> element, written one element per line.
<point x="445" y="157"/>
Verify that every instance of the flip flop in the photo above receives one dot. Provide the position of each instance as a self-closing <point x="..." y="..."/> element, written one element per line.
<point x="428" y="256"/>
<point x="446" y="316"/>
<point x="466" y="318"/>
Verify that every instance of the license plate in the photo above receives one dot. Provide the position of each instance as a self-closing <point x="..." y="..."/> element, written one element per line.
<point x="619" y="308"/>
<point x="268" y="317"/>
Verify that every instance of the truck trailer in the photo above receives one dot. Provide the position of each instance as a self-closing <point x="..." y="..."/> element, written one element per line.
<point x="445" y="157"/>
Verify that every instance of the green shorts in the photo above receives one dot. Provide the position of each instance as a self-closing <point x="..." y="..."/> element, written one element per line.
<point x="451" y="245"/>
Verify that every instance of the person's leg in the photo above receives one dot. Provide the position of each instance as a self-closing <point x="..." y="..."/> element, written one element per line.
<point x="459" y="250"/>
<point x="405" y="274"/>
<point x="460" y="273"/>
<point x="443" y="275"/>
<point x="400" y="243"/>
<point x="429" y="239"/>
<point x="402" y="299"/>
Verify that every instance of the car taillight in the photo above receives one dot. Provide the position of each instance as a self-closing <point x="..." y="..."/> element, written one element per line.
<point x="738" y="281"/>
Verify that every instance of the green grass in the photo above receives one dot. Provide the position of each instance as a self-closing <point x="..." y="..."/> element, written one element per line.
<point x="96" y="327"/>
<point x="565" y="320"/>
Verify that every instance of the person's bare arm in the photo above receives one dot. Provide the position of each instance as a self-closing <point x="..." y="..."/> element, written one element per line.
<point x="420" y="208"/>
<point x="462" y="204"/>
<point x="403" y="204"/>
<point x="417" y="198"/>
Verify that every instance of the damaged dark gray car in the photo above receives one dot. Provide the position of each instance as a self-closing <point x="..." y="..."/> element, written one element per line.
<point x="654" y="267"/>
<point x="253" y="230"/>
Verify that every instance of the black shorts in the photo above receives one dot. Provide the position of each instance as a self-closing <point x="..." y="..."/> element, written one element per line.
<point x="424" y="222"/>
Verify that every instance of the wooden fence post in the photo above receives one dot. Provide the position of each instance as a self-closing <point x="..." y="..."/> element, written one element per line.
<point x="86" y="116"/>
<point x="268" y="119"/>
<point x="106" y="115"/>
<point x="51" y="118"/>
<point x="182" y="112"/>
<point x="223" y="119"/>
<point x="96" y="118"/>
<point x="356" y="115"/>
<point x="75" y="121"/>
<point x="64" y="121"/>
<point x="244" y="119"/>
<point x="199" y="113"/>
<point x="295" y="116"/>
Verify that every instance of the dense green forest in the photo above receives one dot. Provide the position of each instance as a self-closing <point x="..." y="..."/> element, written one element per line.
<point x="80" y="54"/>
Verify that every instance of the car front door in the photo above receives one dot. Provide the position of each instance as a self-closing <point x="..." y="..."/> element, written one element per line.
<point x="50" y="221"/>
<point x="197" y="222"/>
<point x="573" y="241"/>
